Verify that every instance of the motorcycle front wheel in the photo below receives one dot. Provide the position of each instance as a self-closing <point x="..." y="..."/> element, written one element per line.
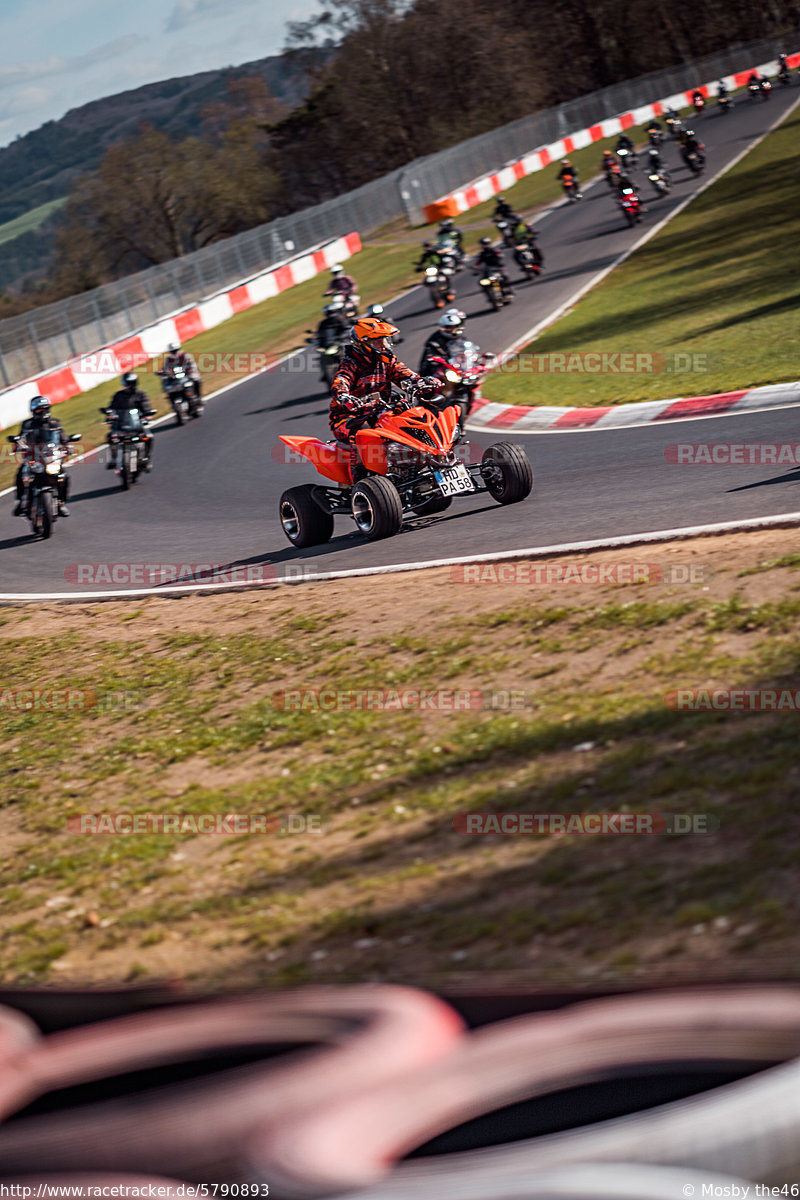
<point x="43" y="521"/>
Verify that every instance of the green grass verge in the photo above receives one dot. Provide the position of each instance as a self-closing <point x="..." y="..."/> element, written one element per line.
<point x="713" y="298"/>
<point x="29" y="221"/>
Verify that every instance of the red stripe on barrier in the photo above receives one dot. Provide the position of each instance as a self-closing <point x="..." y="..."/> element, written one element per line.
<point x="544" y="157"/>
<point x="626" y="120"/>
<point x="353" y="242"/>
<point x="569" y="145"/>
<point x="596" y="133"/>
<point x="740" y="78"/>
<point x="700" y="405"/>
<point x="58" y="386"/>
<point x="283" y="277"/>
<point x="189" y="324"/>
<point x="320" y="261"/>
<point x="509" y="416"/>
<point x="471" y="197"/>
<point x="578" y="418"/>
<point x="518" y="169"/>
<point x="793" y="61"/>
<point x="658" y="108"/>
<point x="240" y="298"/>
<point x="130" y="353"/>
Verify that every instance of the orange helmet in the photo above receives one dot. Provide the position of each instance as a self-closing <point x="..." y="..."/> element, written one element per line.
<point x="371" y="335"/>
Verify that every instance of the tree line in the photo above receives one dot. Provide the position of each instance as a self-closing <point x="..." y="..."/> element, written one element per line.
<point x="389" y="81"/>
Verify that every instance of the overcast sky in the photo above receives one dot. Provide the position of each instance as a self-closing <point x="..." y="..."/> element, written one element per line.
<point x="58" y="54"/>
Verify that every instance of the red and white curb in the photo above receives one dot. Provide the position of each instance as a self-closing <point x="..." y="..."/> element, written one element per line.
<point x="86" y="371"/>
<point x="489" y="185"/>
<point x="519" y="418"/>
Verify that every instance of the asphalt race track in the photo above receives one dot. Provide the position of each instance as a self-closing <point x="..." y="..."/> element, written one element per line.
<point x="213" y="494"/>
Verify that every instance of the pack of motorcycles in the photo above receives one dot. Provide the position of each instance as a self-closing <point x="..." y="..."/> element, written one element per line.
<point x="416" y="481"/>
<point x="45" y="457"/>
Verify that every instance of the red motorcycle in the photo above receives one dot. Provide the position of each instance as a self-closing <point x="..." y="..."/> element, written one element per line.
<point x="407" y="464"/>
<point x="461" y="374"/>
<point x="631" y="205"/>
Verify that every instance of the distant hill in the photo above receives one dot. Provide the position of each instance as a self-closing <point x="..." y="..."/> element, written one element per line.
<point x="41" y="165"/>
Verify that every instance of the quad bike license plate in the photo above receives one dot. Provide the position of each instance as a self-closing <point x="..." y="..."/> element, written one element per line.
<point x="454" y="481"/>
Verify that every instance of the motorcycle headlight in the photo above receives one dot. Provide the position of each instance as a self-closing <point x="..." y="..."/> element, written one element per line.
<point x="331" y="350"/>
<point x="431" y="270"/>
<point x="451" y="376"/>
<point x="53" y="468"/>
<point x="485" y="282"/>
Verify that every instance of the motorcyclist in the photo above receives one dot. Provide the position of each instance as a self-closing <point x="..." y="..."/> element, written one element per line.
<point x="449" y="327"/>
<point x="127" y="398"/>
<point x="568" y="172"/>
<point x="332" y="329"/>
<point x="430" y="257"/>
<point x="654" y="161"/>
<point x="609" y="166"/>
<point x="447" y="231"/>
<point x="344" y="285"/>
<point x="698" y="99"/>
<point x="691" y="145"/>
<point x="40" y="418"/>
<point x="783" y="69"/>
<point x="369" y="365"/>
<point x="654" y="132"/>
<point x="490" y="258"/>
<point x="502" y="209"/>
<point x="722" y="90"/>
<point x="526" y="235"/>
<point x="176" y="357"/>
<point x="625" y="145"/>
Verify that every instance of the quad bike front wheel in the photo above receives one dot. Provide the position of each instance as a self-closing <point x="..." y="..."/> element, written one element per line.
<point x="507" y="472"/>
<point x="377" y="508"/>
<point x="303" y="521"/>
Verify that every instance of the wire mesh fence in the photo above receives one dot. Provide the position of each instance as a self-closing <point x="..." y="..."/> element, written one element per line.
<point x="39" y="340"/>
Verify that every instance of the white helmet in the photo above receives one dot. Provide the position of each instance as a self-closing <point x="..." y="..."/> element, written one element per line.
<point x="173" y="347"/>
<point x="374" y="310"/>
<point x="452" y="321"/>
<point x="337" y="269"/>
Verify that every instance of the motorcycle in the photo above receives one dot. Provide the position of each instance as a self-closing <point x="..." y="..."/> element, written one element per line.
<point x="784" y="76"/>
<point x="766" y="89"/>
<point x="627" y="159"/>
<point x="407" y="467"/>
<point x="724" y="104"/>
<point x="42" y="475"/>
<point x="505" y="228"/>
<point x="494" y="289"/>
<point x="612" y="173"/>
<point x="630" y="204"/>
<point x="570" y="185"/>
<point x="655" y="137"/>
<point x="675" y="126"/>
<point x="461" y="374"/>
<point x="182" y="394"/>
<point x="529" y="258"/>
<point x="661" y="181"/>
<point x="448" y="245"/>
<point x="438" y="281"/>
<point x="127" y="440"/>
<point x="699" y="104"/>
<point x="329" y="356"/>
<point x="694" y="159"/>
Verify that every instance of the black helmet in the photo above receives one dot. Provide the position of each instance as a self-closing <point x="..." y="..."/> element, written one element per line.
<point x="130" y="379"/>
<point x="40" y="406"/>
<point x="486" y="241"/>
<point x="427" y="245"/>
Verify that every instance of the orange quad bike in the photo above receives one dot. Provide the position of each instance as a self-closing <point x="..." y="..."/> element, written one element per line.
<point x="412" y="462"/>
